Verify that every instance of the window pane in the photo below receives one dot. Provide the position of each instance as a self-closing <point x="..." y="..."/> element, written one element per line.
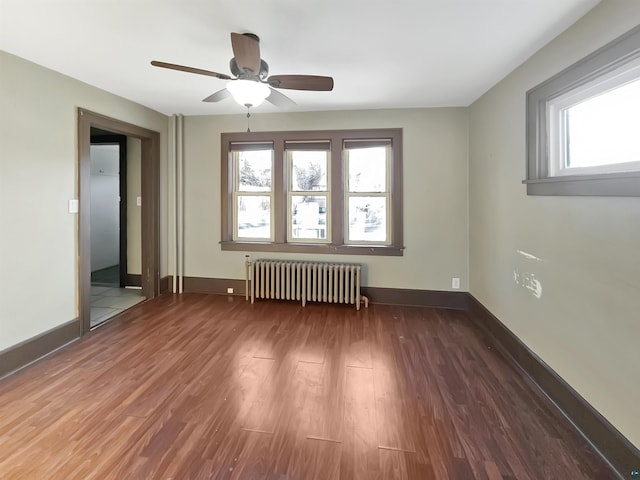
<point x="309" y="171"/>
<point x="309" y="217"/>
<point x="368" y="219"/>
<point x="254" y="216"/>
<point x="603" y="130"/>
<point x="255" y="170"/>
<point x="368" y="169"/>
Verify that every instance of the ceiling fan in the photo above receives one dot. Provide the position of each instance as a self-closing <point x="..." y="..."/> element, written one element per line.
<point x="250" y="84"/>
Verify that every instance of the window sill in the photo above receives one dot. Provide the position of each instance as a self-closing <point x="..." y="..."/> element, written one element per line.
<point x="380" y="250"/>
<point x="625" y="184"/>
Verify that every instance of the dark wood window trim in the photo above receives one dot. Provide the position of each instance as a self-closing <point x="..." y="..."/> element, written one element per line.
<point x="539" y="182"/>
<point x="337" y="138"/>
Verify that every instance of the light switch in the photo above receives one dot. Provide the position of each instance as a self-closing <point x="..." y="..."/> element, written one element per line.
<point x="139" y="201"/>
<point x="73" y="205"/>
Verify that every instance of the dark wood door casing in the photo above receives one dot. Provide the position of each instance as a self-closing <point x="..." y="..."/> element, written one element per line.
<point x="150" y="190"/>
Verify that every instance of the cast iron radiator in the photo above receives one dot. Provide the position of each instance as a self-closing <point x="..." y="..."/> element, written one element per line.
<point x="304" y="281"/>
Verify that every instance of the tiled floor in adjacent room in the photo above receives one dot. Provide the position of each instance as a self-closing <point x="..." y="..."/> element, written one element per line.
<point x="109" y="301"/>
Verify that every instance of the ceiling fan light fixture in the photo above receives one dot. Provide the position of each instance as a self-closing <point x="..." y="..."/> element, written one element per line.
<point x="248" y="93"/>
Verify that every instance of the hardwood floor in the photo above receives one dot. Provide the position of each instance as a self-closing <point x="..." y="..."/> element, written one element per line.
<point x="209" y="387"/>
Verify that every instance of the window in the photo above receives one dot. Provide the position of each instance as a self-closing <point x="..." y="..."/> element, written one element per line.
<point x="582" y="125"/>
<point x="321" y="192"/>
<point x="253" y="192"/>
<point x="367" y="205"/>
<point x="309" y="205"/>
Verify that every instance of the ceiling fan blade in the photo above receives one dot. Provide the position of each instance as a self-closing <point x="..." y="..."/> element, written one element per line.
<point x="301" y="82"/>
<point x="219" y="95"/>
<point x="182" y="68"/>
<point x="246" y="50"/>
<point x="279" y="99"/>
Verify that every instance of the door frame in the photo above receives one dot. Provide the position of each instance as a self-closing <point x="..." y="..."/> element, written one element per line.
<point x="150" y="209"/>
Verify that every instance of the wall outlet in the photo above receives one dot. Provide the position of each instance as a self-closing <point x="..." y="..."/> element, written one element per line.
<point x="138" y="201"/>
<point x="455" y="282"/>
<point x="230" y="290"/>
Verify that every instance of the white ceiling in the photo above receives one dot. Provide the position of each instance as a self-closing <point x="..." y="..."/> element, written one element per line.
<point x="381" y="53"/>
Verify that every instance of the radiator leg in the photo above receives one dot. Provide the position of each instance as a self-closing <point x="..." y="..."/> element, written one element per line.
<point x="247" y="268"/>
<point x="304" y="270"/>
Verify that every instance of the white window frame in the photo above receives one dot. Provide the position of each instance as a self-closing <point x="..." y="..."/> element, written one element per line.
<point x="296" y="193"/>
<point x="348" y="194"/>
<point x="545" y="142"/>
<point x="556" y="114"/>
<point x="235" y="154"/>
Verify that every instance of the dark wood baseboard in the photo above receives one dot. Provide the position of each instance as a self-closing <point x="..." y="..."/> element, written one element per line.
<point x="27" y="352"/>
<point x="213" y="285"/>
<point x="133" y="280"/>
<point x="605" y="438"/>
<point x="164" y="284"/>
<point x="386" y="296"/>
<point x="420" y="298"/>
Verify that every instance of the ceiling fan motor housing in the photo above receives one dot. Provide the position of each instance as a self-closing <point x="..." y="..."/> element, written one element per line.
<point x="264" y="70"/>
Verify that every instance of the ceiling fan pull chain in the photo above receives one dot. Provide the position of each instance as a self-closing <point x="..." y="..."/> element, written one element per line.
<point x="248" y="118"/>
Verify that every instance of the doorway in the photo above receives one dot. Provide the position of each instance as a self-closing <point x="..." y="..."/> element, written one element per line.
<point x="117" y="265"/>
<point x="115" y="226"/>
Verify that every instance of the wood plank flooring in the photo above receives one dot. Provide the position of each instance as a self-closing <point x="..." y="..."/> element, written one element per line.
<point x="209" y="387"/>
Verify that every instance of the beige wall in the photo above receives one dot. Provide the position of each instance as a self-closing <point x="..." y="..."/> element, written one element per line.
<point x="134" y="212"/>
<point x="38" y="175"/>
<point x="435" y="193"/>
<point x="586" y="323"/>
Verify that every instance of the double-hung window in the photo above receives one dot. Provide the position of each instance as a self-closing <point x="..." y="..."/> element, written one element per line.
<point x="313" y="192"/>
<point x="309" y="195"/>
<point x="253" y="191"/>
<point x="368" y="191"/>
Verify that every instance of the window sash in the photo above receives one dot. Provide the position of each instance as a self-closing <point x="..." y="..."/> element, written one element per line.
<point x="349" y="193"/>
<point x="557" y="119"/>
<point x="237" y="193"/>
<point x="290" y="148"/>
<point x="236" y="215"/>
<point x="347" y="229"/>
<point x="327" y="225"/>
<point x="291" y="173"/>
